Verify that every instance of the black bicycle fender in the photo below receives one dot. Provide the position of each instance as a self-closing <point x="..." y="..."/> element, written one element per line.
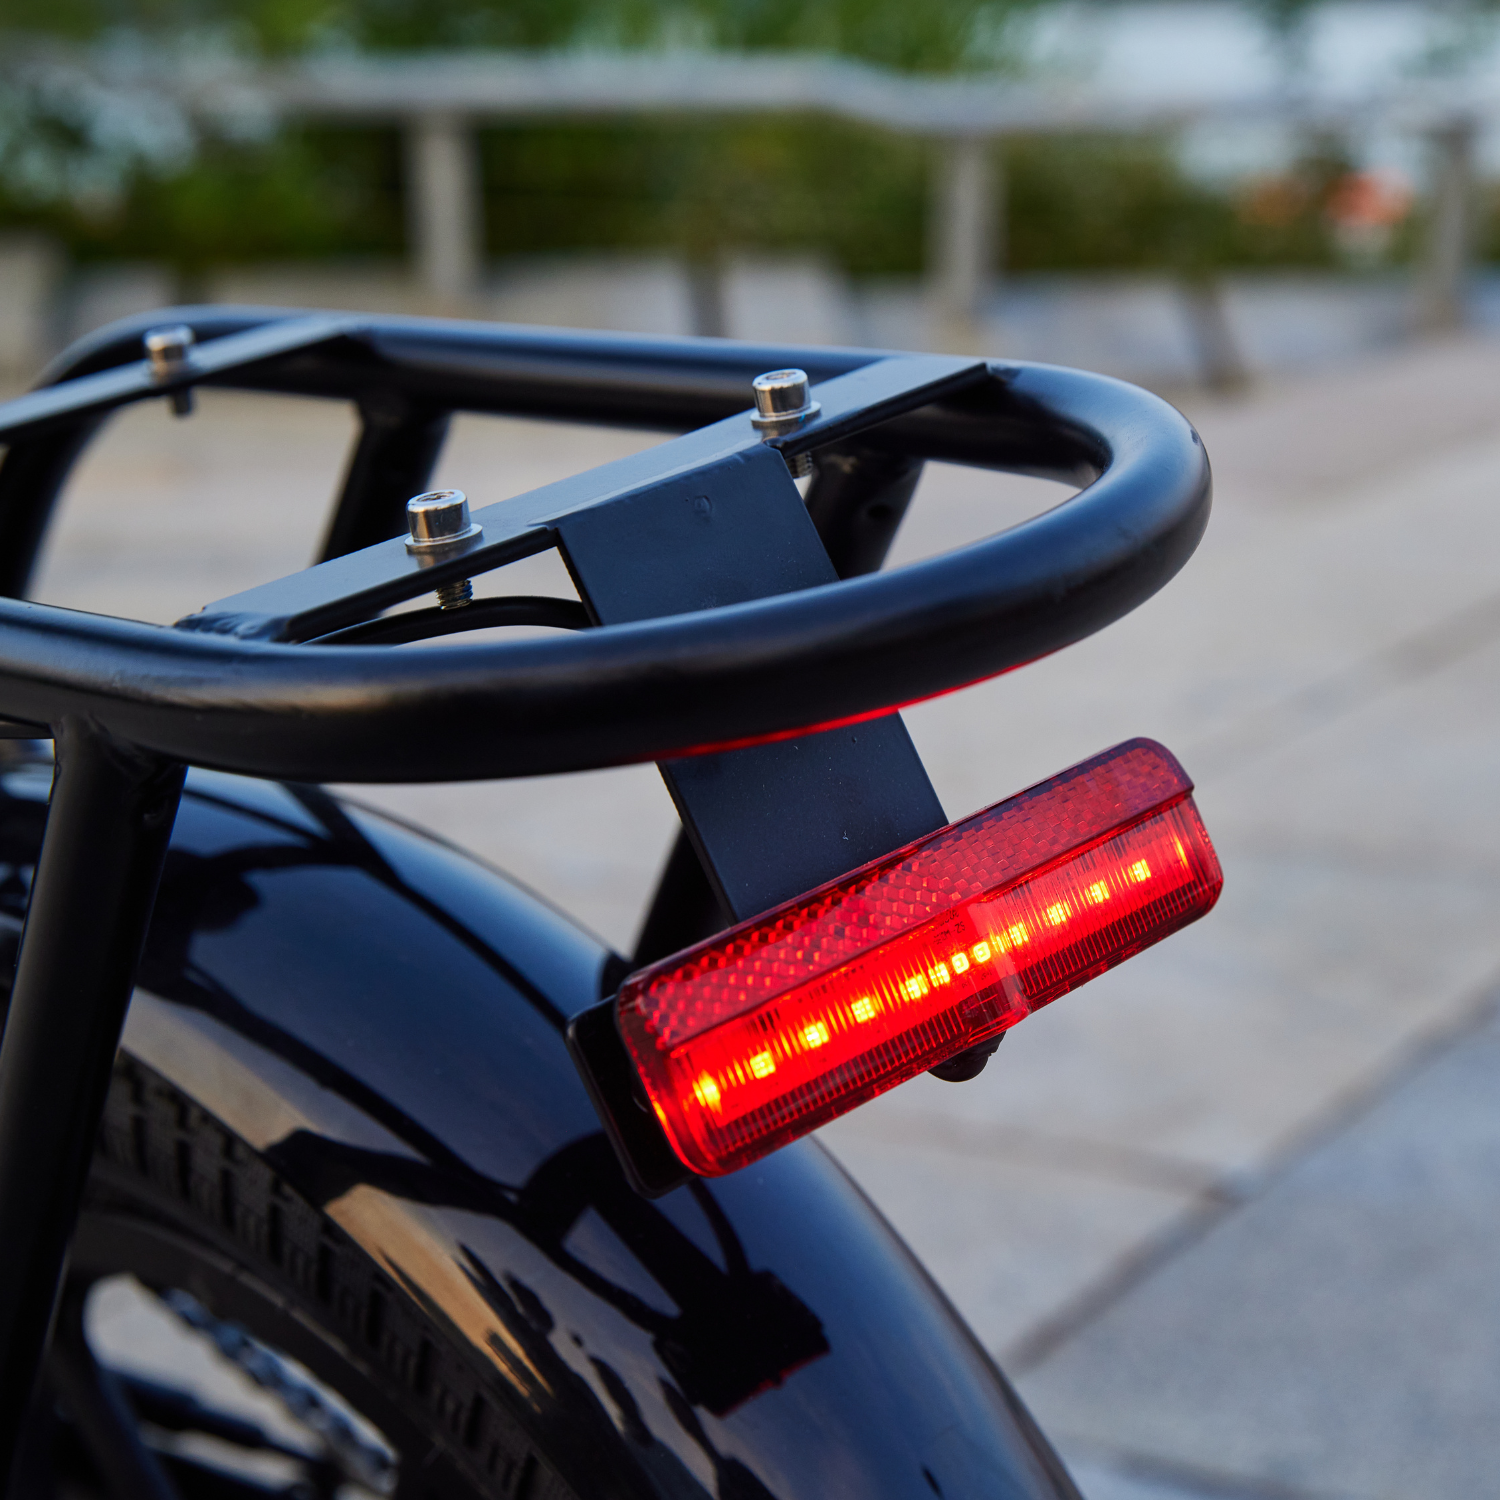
<point x="382" y="1017"/>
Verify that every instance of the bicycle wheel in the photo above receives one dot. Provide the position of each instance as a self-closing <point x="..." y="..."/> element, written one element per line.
<point x="189" y="1210"/>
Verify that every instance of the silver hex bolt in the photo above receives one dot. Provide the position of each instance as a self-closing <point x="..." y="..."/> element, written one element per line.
<point x="438" y="524"/>
<point x="167" y="349"/>
<point x="783" y="402"/>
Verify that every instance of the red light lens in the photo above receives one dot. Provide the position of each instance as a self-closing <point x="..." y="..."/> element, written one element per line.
<point x="774" y="1028"/>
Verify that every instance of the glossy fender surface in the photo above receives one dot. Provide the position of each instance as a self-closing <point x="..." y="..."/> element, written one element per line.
<point x="383" y="1018"/>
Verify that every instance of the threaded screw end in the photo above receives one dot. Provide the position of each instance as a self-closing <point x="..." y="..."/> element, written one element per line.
<point x="455" y="595"/>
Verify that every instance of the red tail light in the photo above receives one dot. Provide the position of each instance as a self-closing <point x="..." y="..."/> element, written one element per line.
<point x="773" y="1028"/>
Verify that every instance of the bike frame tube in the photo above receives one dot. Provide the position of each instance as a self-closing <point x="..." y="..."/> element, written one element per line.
<point x="108" y="824"/>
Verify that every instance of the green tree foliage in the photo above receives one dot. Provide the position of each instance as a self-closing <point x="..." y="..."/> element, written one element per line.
<point x="700" y="188"/>
<point x="298" y="195"/>
<point x="1122" y="203"/>
<point x="935" y="35"/>
<point x="856" y="195"/>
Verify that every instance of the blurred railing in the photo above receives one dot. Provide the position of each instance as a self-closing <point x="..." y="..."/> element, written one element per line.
<point x="442" y="99"/>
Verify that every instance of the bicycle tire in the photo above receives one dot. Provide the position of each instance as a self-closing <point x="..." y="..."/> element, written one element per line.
<point x="178" y="1201"/>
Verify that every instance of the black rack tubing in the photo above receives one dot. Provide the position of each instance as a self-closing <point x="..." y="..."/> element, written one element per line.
<point x="667" y="687"/>
<point x="623" y="380"/>
<point x="108" y="823"/>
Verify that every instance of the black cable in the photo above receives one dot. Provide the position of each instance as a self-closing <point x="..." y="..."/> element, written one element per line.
<point x="425" y="624"/>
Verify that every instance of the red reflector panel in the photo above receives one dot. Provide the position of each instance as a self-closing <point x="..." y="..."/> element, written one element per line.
<point x="774" y="1028"/>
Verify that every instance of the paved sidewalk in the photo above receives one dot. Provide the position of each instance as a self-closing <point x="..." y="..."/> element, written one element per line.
<point x="1118" y="1204"/>
<point x="1229" y="1213"/>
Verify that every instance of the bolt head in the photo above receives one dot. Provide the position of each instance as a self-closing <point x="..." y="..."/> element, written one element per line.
<point x="781" y="393"/>
<point x="438" y="516"/>
<point x="167" y="348"/>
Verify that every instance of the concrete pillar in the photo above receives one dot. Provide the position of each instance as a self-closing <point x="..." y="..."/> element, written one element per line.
<point x="32" y="272"/>
<point x="444" y="207"/>
<point x="1444" y="268"/>
<point x="964" y="231"/>
<point x="1221" y="366"/>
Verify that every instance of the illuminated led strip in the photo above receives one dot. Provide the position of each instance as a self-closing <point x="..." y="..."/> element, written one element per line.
<point x="768" y="1031"/>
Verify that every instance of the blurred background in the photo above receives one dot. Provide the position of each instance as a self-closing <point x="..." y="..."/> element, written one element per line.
<point x="1229" y="1214"/>
<point x="1184" y="192"/>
